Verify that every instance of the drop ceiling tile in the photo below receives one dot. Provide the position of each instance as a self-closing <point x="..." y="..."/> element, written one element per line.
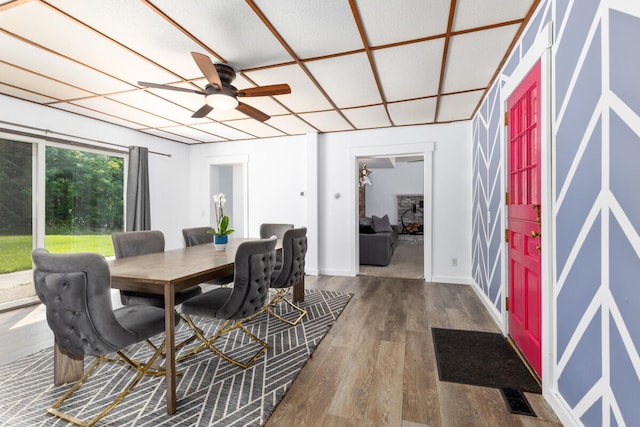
<point x="136" y="25"/>
<point x="348" y="80"/>
<point x="414" y="112"/>
<point x="97" y="115"/>
<point x="223" y="115"/>
<point x="314" y="28"/>
<point x="122" y="111"/>
<point x="37" y="84"/>
<point x="291" y="125"/>
<point x="476" y="13"/>
<point x="67" y="37"/>
<point x="327" y="121"/>
<point x="256" y="128"/>
<point x="405" y="20"/>
<point x="27" y="56"/>
<point x="25" y="94"/>
<point x="480" y="51"/>
<point x="459" y="106"/>
<point x="153" y="104"/>
<point x="222" y="130"/>
<point x="368" y="117"/>
<point x="230" y="28"/>
<point x="304" y="95"/>
<point x="169" y="135"/>
<point x="410" y="71"/>
<point x="192" y="133"/>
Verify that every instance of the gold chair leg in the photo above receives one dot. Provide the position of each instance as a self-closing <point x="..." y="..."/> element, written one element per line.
<point x="224" y="329"/>
<point x="281" y="295"/>
<point x="147" y="368"/>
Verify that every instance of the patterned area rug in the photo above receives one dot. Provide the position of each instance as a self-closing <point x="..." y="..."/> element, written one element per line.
<point x="210" y="392"/>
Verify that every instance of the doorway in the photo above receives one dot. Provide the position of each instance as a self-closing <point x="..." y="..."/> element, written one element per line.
<point x="423" y="150"/>
<point x="394" y="187"/>
<point x="230" y="179"/>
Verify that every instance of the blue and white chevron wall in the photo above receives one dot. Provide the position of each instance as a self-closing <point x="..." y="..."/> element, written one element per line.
<point x="596" y="204"/>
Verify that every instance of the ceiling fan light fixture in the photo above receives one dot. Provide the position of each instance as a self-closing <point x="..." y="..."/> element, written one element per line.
<point x="221" y="101"/>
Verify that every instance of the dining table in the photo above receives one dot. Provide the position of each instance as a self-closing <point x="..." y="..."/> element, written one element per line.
<point x="165" y="273"/>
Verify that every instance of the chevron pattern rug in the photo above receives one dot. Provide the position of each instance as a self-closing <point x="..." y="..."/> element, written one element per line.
<point x="210" y="391"/>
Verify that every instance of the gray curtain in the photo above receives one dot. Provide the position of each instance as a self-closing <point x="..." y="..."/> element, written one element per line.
<point x="138" y="212"/>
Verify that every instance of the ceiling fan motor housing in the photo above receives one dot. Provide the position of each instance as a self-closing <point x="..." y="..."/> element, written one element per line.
<point x="227" y="73"/>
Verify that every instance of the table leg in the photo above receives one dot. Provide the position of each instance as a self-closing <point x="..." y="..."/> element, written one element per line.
<point x="66" y="367"/>
<point x="298" y="291"/>
<point x="170" y="347"/>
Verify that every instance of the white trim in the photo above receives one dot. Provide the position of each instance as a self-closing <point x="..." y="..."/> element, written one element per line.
<point x="539" y="51"/>
<point x="311" y="195"/>
<point x="453" y="280"/>
<point x="416" y="149"/>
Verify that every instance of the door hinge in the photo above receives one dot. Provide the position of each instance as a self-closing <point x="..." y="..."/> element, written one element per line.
<point x="507" y="198"/>
<point x="506" y="118"/>
<point x="506" y="234"/>
<point x="506" y="303"/>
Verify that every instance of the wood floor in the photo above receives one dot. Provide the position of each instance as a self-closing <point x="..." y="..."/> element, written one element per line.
<point x="375" y="367"/>
<point x="407" y="262"/>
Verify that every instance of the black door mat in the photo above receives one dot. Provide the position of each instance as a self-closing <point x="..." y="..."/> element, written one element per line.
<point x="480" y="358"/>
<point x="517" y="402"/>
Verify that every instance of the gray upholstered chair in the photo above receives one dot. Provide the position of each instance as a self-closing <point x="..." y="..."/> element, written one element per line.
<point x="254" y="263"/>
<point x="132" y="243"/>
<point x="199" y="236"/>
<point x="289" y="273"/>
<point x="76" y="291"/>
<point x="267" y="230"/>
<point x="273" y="229"/>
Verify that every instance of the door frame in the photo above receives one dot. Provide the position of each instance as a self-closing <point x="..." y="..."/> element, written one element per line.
<point x="424" y="149"/>
<point x="539" y="51"/>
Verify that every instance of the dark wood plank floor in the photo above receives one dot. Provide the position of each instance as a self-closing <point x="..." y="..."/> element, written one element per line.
<point x="375" y="367"/>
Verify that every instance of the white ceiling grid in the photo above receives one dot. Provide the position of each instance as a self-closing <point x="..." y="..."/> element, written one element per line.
<point x="351" y="64"/>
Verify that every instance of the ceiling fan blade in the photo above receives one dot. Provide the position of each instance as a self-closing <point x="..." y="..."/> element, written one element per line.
<point x="252" y="112"/>
<point x="281" y="89"/>
<point x="179" y="89"/>
<point x="207" y="68"/>
<point x="203" y="111"/>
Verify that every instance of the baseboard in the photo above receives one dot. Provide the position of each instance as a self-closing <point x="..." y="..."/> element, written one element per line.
<point x="560" y="407"/>
<point x="330" y="272"/>
<point x="454" y="280"/>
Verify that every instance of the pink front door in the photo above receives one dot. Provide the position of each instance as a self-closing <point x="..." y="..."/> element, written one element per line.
<point x="524" y="223"/>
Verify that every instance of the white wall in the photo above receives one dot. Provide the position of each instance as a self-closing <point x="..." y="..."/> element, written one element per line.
<point x="167" y="175"/>
<point x="276" y="177"/>
<point x="451" y="199"/>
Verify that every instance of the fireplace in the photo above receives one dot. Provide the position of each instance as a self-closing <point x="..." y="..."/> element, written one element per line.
<point x="410" y="214"/>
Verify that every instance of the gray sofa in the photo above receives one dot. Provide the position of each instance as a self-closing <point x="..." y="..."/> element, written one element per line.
<point x="377" y="247"/>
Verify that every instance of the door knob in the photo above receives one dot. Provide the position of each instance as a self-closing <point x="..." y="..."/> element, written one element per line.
<point x="535" y="234"/>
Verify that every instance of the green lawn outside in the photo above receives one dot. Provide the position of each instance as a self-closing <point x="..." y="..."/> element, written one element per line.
<point x="15" y="251"/>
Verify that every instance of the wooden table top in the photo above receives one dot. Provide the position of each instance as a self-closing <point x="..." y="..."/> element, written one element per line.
<point x="182" y="267"/>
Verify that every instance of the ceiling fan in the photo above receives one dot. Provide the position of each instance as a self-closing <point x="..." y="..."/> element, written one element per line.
<point x="220" y="93"/>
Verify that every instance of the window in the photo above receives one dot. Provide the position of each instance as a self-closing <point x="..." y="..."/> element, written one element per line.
<point x="81" y="205"/>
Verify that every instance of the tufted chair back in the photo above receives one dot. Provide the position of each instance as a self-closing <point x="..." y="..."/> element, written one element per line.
<point x="294" y="250"/>
<point x="196" y="236"/>
<point x="268" y="230"/>
<point x="132" y="243"/>
<point x="254" y="264"/>
<point x="76" y="290"/>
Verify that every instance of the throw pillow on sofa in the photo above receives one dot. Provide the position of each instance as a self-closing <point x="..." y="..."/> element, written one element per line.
<point x="381" y="224"/>
<point x="366" y="226"/>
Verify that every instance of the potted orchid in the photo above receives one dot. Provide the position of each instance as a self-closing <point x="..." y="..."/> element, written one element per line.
<point x="221" y="229"/>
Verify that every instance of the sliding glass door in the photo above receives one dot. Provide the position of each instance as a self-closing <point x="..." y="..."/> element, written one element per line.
<point x="16" y="220"/>
<point x="79" y="203"/>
